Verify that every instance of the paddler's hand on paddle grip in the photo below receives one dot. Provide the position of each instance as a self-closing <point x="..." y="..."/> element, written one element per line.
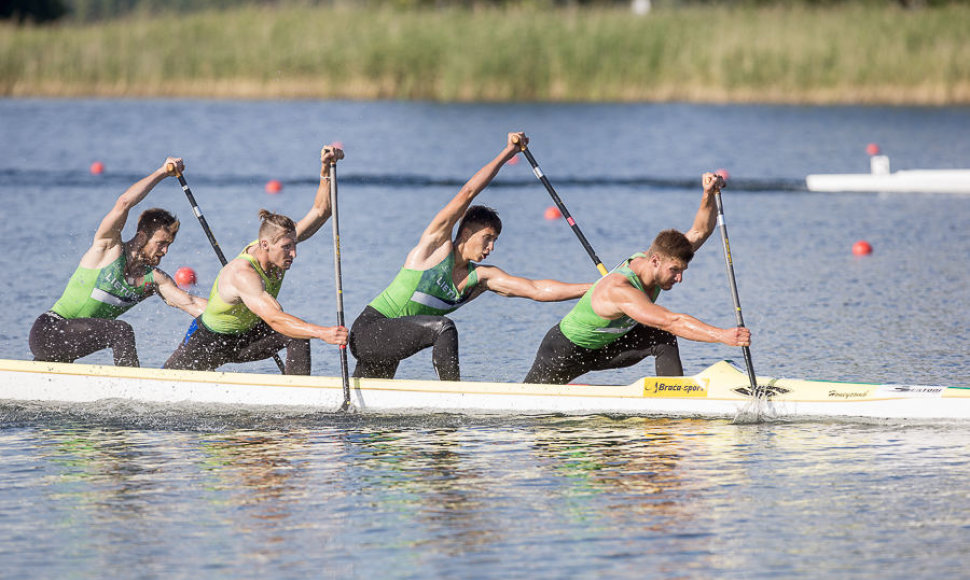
<point x="330" y="154"/>
<point x="518" y="141"/>
<point x="174" y="166"/>
<point x="739" y="336"/>
<point x="334" y="334"/>
<point x="713" y="183"/>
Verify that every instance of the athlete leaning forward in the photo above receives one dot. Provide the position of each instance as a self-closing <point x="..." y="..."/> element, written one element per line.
<point x="617" y="323"/>
<point x="243" y="322"/>
<point x="111" y="278"/>
<point x="439" y="275"/>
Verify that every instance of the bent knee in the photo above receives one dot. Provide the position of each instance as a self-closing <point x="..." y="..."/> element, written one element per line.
<point x="444" y="325"/>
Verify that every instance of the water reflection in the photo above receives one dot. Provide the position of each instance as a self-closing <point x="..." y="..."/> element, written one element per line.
<point x="365" y="495"/>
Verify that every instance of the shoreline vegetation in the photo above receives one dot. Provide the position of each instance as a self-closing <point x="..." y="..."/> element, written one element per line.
<point x="856" y="53"/>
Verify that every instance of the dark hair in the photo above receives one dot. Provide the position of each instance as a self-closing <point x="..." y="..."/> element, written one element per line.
<point x="275" y="226"/>
<point x="672" y="244"/>
<point x="481" y="215"/>
<point x="154" y="219"/>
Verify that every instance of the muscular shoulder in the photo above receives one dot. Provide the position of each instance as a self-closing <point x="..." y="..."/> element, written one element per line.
<point x="612" y="291"/>
<point x="239" y="277"/>
<point x="427" y="254"/>
<point x="101" y="253"/>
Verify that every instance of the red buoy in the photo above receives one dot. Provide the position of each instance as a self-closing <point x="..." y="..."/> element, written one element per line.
<point x="553" y="213"/>
<point x="872" y="149"/>
<point x="185" y="277"/>
<point x="273" y="186"/>
<point x="97" y="168"/>
<point x="862" y="248"/>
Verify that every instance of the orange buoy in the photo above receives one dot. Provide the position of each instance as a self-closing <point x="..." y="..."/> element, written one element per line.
<point x="862" y="248"/>
<point x="553" y="213"/>
<point x="273" y="186"/>
<point x="97" y="168"/>
<point x="185" y="277"/>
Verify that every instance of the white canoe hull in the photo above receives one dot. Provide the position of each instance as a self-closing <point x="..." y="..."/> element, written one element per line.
<point x="914" y="181"/>
<point x="719" y="391"/>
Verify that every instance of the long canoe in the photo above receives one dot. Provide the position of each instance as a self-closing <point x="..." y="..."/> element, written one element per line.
<point x="721" y="390"/>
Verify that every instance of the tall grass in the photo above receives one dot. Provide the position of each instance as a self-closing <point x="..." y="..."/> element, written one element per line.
<point x="846" y="53"/>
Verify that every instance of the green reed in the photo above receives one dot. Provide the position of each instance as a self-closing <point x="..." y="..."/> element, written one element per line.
<point x="849" y="53"/>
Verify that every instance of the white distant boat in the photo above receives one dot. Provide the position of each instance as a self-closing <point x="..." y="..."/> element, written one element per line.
<point x="881" y="179"/>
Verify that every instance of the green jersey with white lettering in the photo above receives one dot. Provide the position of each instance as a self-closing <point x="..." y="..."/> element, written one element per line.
<point x="430" y="291"/>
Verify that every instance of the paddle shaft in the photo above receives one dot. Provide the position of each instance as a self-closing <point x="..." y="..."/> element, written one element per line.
<point x="338" y="280"/>
<point x="734" y="290"/>
<point x="562" y="208"/>
<point x="212" y="240"/>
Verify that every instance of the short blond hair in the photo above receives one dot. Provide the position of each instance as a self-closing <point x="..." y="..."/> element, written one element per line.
<point x="275" y="226"/>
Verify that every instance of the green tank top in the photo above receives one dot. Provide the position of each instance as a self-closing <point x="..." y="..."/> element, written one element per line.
<point x="103" y="292"/>
<point x="583" y="327"/>
<point x="431" y="291"/>
<point x="224" y="318"/>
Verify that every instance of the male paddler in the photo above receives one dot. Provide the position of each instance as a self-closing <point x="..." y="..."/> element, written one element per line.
<point x="618" y="323"/>
<point x="243" y="322"/>
<point x="439" y="275"/>
<point x="112" y="277"/>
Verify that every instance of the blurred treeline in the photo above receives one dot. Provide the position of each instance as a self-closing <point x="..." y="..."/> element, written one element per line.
<point x="45" y="11"/>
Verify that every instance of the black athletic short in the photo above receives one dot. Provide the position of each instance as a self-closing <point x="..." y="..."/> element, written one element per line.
<point x="380" y="343"/>
<point x="54" y="338"/>
<point x="559" y="360"/>
<point x="204" y="350"/>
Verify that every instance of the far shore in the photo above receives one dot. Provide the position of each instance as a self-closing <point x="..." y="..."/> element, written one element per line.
<point x="846" y="54"/>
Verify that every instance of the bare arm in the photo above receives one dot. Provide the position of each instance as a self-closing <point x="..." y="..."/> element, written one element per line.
<point x="243" y="284"/>
<point x="438" y="232"/>
<point x="503" y="284"/>
<point x="108" y="234"/>
<point x="706" y="218"/>
<point x="615" y="298"/>
<point x="320" y="212"/>
<point x="174" y="296"/>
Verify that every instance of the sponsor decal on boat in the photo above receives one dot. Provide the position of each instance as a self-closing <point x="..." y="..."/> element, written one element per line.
<point x="834" y="394"/>
<point x="911" y="391"/>
<point x="673" y="387"/>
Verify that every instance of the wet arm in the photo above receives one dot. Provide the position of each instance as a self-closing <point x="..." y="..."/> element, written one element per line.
<point x="109" y="231"/>
<point x="176" y="297"/>
<point x="705" y="220"/>
<point x="262" y="303"/>
<point x="505" y="284"/>
<point x="440" y="229"/>
<point x="637" y="306"/>
<point x="321" y="210"/>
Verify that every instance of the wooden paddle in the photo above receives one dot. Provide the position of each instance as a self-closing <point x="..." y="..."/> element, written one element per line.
<point x="755" y="390"/>
<point x="208" y="232"/>
<point x="562" y="207"/>
<point x="338" y="279"/>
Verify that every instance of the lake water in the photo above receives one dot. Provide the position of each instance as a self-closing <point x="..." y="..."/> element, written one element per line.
<point x="128" y="490"/>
